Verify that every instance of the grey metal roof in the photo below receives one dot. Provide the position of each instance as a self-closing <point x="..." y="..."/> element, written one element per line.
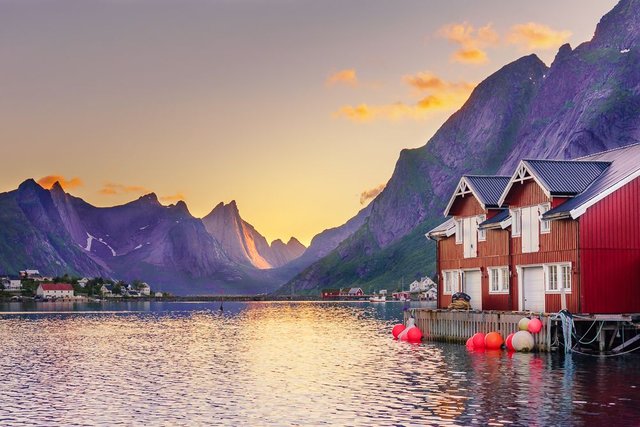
<point x="488" y="188"/>
<point x="566" y="177"/>
<point x="624" y="161"/>
<point x="496" y="219"/>
<point x="441" y="229"/>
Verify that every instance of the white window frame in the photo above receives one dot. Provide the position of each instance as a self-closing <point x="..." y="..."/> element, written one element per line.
<point x="482" y="234"/>
<point x="516" y="222"/>
<point x="503" y="276"/>
<point x="558" y="270"/>
<point x="455" y="284"/>
<point x="545" y="225"/>
<point x="459" y="231"/>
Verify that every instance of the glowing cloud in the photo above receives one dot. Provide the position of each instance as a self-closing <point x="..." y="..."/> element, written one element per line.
<point x="346" y="77"/>
<point x="434" y="92"/>
<point x="173" y="198"/>
<point x="48" y="181"/>
<point x="471" y="41"/>
<point x="537" y="36"/>
<point x="367" y="195"/>
<point x="111" y="189"/>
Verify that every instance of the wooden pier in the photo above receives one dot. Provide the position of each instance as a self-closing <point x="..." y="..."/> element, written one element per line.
<point x="597" y="333"/>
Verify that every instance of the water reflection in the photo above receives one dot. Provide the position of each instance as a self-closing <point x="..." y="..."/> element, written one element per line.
<point x="285" y="364"/>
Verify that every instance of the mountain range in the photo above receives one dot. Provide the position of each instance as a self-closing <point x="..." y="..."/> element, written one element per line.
<point x="587" y="100"/>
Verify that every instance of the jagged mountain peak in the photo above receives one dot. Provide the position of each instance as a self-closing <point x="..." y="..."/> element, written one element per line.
<point x="29" y="183"/>
<point x="57" y="187"/>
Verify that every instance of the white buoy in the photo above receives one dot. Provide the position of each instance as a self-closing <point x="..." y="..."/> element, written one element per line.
<point x="522" y="341"/>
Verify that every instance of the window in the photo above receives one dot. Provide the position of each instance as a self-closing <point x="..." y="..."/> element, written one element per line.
<point x="558" y="277"/>
<point x="451" y="281"/>
<point x="498" y="280"/>
<point x="458" y="231"/>
<point x="516" y="222"/>
<point x="482" y="234"/>
<point x="545" y="225"/>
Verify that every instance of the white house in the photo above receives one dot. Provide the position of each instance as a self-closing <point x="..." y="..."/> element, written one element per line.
<point x="158" y="295"/>
<point x="55" y="290"/>
<point x="11" y="285"/>
<point x="83" y="282"/>
<point x="144" y="289"/>
<point x="421" y="286"/>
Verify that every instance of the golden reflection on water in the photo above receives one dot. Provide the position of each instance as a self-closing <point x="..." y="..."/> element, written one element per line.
<point x="266" y="364"/>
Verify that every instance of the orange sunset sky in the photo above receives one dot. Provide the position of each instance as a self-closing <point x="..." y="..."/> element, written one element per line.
<point x="296" y="109"/>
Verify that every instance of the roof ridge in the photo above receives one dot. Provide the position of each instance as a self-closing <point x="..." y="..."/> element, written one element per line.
<point x="569" y="160"/>
<point x="608" y="151"/>
<point x="487" y="176"/>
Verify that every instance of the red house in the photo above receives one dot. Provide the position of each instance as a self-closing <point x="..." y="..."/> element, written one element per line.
<point x="466" y="252"/>
<point x="568" y="236"/>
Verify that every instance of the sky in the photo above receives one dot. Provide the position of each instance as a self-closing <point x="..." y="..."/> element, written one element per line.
<point x="296" y="109"/>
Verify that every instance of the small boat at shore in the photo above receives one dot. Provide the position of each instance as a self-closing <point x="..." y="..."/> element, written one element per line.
<point x="378" y="298"/>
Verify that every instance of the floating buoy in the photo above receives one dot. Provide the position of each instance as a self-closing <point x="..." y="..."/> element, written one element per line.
<point x="535" y="325"/>
<point x="523" y="341"/>
<point x="523" y="324"/>
<point x="470" y="343"/>
<point x="508" y="343"/>
<point x="397" y="330"/>
<point x="478" y="341"/>
<point x="414" y="334"/>
<point x="493" y="341"/>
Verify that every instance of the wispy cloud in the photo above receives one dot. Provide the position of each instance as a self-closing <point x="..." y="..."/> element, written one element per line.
<point x="48" y="181"/>
<point x="172" y="198"/>
<point x="345" y="77"/>
<point x="533" y="35"/>
<point x="471" y="41"/>
<point x="111" y="189"/>
<point x="434" y="92"/>
<point x="370" y="194"/>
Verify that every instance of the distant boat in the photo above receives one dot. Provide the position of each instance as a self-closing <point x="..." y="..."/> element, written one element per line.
<point x="378" y="298"/>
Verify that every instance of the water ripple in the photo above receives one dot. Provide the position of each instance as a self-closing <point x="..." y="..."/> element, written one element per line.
<point x="286" y="364"/>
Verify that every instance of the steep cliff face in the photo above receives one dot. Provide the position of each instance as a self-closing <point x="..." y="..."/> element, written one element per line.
<point x="587" y="101"/>
<point x="244" y="244"/>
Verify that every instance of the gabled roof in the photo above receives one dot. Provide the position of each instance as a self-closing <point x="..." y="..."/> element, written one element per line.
<point x="445" y="229"/>
<point x="624" y="167"/>
<point x="487" y="189"/>
<point x="557" y="177"/>
<point x="56" y="287"/>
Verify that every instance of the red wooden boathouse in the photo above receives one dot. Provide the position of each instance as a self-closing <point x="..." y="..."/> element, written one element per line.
<point x="562" y="234"/>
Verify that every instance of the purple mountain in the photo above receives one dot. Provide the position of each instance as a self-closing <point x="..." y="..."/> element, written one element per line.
<point x="587" y="101"/>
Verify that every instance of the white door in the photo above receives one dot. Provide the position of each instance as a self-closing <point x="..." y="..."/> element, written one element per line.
<point x="472" y="286"/>
<point x="533" y="289"/>
<point x="470" y="237"/>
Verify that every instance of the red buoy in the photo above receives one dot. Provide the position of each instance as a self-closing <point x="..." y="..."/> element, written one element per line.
<point x="397" y="330"/>
<point x="493" y="341"/>
<point x="534" y="326"/>
<point x="478" y="341"/>
<point x="508" y="344"/>
<point x="414" y="334"/>
<point x="470" y="343"/>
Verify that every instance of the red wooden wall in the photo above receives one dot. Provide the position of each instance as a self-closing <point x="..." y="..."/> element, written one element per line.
<point x="560" y="245"/>
<point x="610" y="252"/>
<point x="492" y="252"/>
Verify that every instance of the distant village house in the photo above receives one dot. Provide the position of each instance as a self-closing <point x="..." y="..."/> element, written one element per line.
<point x="55" y="290"/>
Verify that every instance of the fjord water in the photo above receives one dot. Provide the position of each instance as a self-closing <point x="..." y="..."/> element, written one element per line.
<point x="283" y="364"/>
